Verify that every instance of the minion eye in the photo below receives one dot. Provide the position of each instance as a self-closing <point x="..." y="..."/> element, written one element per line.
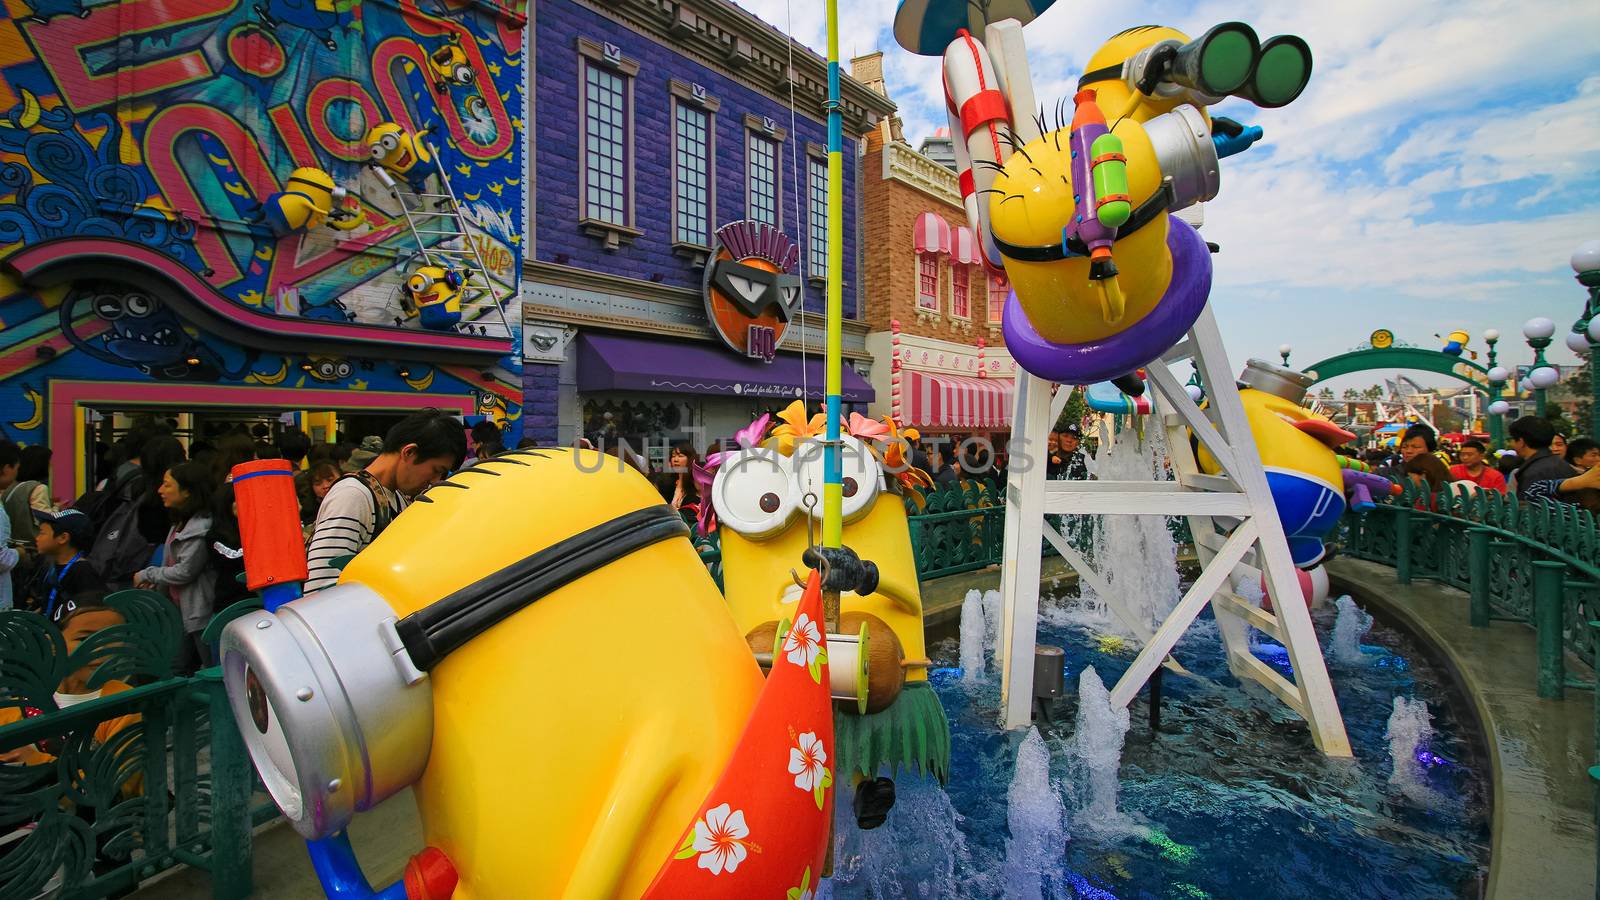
<point x="754" y="492"/>
<point x="419" y="283"/>
<point x="390" y="142"/>
<point x="378" y="151"/>
<point x="863" y="477"/>
<point x="339" y="193"/>
<point x="464" y="74"/>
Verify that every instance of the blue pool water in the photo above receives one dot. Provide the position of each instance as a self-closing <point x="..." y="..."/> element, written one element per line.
<point x="1230" y="800"/>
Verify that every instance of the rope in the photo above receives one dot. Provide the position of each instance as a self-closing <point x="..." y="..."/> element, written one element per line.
<point x="802" y="232"/>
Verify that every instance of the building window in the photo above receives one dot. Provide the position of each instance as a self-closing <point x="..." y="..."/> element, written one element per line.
<point x="817" y="259"/>
<point x="928" y="282"/>
<point x="762" y="153"/>
<point x="998" y="288"/>
<point x="960" y="298"/>
<point x="692" y="167"/>
<point x="605" y="156"/>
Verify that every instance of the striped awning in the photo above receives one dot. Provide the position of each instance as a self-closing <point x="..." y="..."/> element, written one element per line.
<point x="957" y="401"/>
<point x="963" y="247"/>
<point x="931" y="234"/>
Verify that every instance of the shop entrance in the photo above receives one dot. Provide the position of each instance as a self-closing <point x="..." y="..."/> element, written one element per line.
<point x="88" y="417"/>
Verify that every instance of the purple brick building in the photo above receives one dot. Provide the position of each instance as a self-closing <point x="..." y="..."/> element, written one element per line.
<point x="651" y="126"/>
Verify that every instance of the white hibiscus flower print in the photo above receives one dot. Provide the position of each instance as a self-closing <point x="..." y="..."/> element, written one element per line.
<point x="719" y="839"/>
<point x="807" y="762"/>
<point x="803" y="642"/>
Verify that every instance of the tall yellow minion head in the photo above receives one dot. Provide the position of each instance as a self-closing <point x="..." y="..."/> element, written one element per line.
<point x="1104" y="71"/>
<point x="395" y="149"/>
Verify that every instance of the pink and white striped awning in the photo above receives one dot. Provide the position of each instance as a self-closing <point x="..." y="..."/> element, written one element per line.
<point x="931" y="234"/>
<point x="958" y="401"/>
<point x="963" y="247"/>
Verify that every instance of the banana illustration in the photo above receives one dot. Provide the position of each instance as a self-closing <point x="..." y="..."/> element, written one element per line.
<point x="30" y="111"/>
<point x="275" y="378"/>
<point x="421" y="384"/>
<point x="37" y="419"/>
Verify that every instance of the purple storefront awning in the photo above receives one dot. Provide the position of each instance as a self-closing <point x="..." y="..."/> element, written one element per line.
<point x="614" y="363"/>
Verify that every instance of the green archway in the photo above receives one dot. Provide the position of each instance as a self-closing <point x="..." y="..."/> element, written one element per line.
<point x="1368" y="358"/>
<point x="1401" y="358"/>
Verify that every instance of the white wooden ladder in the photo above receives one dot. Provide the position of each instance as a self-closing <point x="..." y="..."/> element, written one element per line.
<point x="1233" y="519"/>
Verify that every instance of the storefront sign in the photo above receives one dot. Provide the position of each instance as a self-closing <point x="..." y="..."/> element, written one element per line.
<point x="751" y="290"/>
<point x="545" y="342"/>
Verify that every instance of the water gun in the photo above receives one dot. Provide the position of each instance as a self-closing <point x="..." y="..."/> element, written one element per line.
<point x="1360" y="483"/>
<point x="1100" y="173"/>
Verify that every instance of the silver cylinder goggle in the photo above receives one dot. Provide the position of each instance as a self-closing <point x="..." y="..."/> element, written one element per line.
<point x="331" y="691"/>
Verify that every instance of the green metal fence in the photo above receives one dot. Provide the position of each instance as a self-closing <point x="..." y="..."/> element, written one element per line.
<point x="102" y="794"/>
<point x="1534" y="563"/>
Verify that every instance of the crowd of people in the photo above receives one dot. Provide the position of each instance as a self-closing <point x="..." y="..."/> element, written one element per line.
<point x="1539" y="463"/>
<point x="161" y="514"/>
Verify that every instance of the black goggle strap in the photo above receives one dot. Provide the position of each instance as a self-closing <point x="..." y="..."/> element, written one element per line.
<point x="1105" y="73"/>
<point x="433" y="632"/>
<point x="1154" y="205"/>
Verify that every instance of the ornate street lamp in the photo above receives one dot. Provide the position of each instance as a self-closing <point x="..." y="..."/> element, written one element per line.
<point x="1586" y="262"/>
<point x="1539" y="333"/>
<point x="1284" y="350"/>
<point x="1497" y="407"/>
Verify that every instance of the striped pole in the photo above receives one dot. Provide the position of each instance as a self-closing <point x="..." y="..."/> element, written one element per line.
<point x="895" y="373"/>
<point x="832" y="464"/>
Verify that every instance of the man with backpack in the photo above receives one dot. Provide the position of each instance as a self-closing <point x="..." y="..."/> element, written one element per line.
<point x="419" y="451"/>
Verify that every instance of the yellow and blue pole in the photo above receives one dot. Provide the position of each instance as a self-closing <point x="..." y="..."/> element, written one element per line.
<point x="832" y="461"/>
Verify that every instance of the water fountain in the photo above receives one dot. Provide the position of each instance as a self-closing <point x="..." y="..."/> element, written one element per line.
<point x="974" y="638"/>
<point x="1094" y="757"/>
<point x="1410" y="730"/>
<point x="1035" y="817"/>
<point x="1348" y="630"/>
<point x="1136" y="555"/>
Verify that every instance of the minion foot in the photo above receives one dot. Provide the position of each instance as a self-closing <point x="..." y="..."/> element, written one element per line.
<point x="874" y="799"/>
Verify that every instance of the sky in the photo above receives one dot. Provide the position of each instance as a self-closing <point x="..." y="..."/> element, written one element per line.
<point x="1437" y="173"/>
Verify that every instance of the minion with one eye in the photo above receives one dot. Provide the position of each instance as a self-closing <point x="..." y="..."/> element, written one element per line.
<point x="310" y="199"/>
<point x="435" y="292"/>
<point x="401" y="154"/>
<point x="1296" y="447"/>
<point x="450" y="66"/>
<point x="767" y="506"/>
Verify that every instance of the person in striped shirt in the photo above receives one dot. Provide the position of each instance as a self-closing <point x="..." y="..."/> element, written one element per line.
<point x="419" y="451"/>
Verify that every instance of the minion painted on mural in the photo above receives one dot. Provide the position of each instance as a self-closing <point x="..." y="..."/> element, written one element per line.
<point x="310" y="199"/>
<point x="401" y="154"/>
<point x="435" y="293"/>
<point x="450" y="66"/>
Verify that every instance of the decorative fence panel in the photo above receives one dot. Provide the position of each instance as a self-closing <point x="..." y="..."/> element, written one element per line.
<point x="1431" y="536"/>
<point x="100" y="794"/>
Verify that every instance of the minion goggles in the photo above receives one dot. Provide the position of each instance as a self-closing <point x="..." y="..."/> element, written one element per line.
<point x="337" y="688"/>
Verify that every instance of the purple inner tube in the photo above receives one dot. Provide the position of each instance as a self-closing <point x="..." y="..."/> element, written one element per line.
<point x="1135" y="346"/>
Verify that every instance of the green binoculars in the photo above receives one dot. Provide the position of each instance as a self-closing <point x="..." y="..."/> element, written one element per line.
<point x="1229" y="60"/>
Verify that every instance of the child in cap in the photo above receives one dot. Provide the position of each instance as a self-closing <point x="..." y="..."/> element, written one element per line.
<point x="70" y="579"/>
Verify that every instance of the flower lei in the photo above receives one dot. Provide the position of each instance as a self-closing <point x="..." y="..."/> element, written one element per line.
<point x="887" y="440"/>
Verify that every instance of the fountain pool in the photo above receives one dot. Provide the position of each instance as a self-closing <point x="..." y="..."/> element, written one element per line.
<point x="1231" y="799"/>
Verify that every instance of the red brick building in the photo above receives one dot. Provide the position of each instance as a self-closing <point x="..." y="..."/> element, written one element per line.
<point x="932" y="310"/>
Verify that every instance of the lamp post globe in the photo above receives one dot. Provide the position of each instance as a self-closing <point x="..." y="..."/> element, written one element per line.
<point x="1538" y="328"/>
<point x="1578" y="342"/>
<point x="1284" y="350"/>
<point x="1544" y="377"/>
<point x="1500" y="374"/>
<point x="1499" y="408"/>
<point x="1587" y="257"/>
<point x="1491" y="335"/>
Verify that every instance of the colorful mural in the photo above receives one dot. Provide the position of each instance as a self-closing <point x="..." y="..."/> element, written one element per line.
<point x="169" y="170"/>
